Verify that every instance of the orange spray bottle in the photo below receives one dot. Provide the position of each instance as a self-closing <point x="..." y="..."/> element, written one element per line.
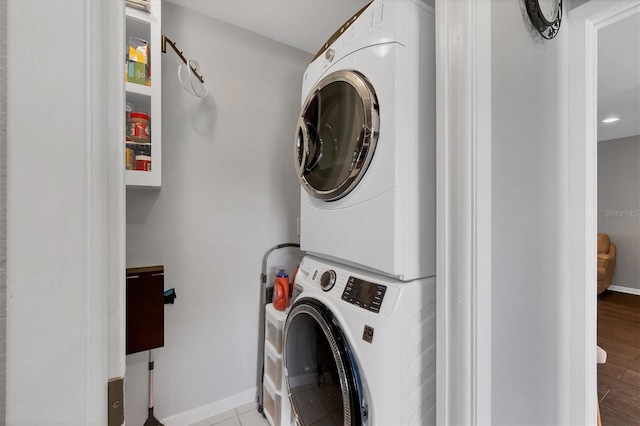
<point x="281" y="291"/>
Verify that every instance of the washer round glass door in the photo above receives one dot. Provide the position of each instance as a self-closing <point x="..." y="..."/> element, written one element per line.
<point x="322" y="376"/>
<point x="337" y="135"/>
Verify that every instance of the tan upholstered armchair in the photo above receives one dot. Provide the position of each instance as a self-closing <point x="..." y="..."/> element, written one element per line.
<point x="606" y="262"/>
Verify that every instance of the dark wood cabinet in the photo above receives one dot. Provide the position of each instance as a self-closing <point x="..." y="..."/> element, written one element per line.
<point x="145" y="309"/>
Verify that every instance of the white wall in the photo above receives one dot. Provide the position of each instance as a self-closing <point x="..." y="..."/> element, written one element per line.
<point x="619" y="205"/>
<point x="229" y="193"/>
<point x="530" y="207"/>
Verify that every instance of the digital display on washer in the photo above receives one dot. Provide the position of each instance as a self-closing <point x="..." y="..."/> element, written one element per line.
<point x="364" y="294"/>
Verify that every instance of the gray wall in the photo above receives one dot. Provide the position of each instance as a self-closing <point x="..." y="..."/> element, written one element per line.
<point x="3" y="205"/>
<point x="530" y="204"/>
<point x="619" y="205"/>
<point x="229" y="192"/>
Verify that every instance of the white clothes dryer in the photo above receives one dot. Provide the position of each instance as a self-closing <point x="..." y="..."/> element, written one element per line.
<point x="359" y="348"/>
<point x="365" y="143"/>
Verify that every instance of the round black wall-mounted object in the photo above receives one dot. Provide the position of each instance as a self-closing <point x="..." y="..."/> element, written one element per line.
<point x="545" y="15"/>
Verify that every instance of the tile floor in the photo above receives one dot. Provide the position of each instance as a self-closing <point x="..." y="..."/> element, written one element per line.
<point x="245" y="415"/>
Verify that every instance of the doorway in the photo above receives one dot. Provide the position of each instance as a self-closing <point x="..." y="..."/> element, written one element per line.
<point x="586" y="21"/>
<point x="618" y="219"/>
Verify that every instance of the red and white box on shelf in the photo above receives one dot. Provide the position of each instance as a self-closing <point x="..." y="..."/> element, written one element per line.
<point x="143" y="163"/>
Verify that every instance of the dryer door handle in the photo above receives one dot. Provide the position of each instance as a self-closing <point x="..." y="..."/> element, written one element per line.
<point x="305" y="159"/>
<point x="301" y="147"/>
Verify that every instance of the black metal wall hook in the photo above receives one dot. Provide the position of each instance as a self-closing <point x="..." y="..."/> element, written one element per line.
<point x="166" y="40"/>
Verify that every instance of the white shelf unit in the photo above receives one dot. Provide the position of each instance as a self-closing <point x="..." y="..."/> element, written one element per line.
<point x="147" y="99"/>
<point x="277" y="408"/>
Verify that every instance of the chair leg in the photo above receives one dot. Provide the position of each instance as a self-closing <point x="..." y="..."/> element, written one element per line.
<point x="599" y="419"/>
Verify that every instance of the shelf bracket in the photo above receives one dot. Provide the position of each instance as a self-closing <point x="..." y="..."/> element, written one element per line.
<point x="165" y="41"/>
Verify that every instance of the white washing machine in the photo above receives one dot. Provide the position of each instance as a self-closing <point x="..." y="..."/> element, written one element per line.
<point x="365" y="143"/>
<point x="360" y="348"/>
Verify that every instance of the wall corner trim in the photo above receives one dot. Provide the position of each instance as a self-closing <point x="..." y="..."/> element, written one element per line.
<point x="463" y="153"/>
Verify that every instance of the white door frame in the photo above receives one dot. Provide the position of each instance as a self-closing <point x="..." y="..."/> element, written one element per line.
<point x="463" y="100"/>
<point x="585" y="21"/>
<point x="87" y="352"/>
<point x="463" y="51"/>
<point x="116" y="195"/>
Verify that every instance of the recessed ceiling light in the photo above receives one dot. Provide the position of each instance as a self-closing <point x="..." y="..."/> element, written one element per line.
<point x="611" y="120"/>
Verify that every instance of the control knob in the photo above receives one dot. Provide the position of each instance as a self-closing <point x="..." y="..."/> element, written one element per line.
<point x="328" y="280"/>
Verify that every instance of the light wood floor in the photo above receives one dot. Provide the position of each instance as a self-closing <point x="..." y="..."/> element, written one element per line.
<point x="619" y="377"/>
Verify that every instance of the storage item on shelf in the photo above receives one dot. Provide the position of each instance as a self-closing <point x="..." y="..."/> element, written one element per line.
<point x="127" y="112"/>
<point x="138" y="66"/>
<point x="137" y="73"/>
<point x="130" y="153"/>
<point x="143" y="163"/>
<point x="138" y="50"/>
<point x="140" y="128"/>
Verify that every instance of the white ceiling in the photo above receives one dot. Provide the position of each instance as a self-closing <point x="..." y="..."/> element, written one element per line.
<point x="307" y="24"/>
<point x="304" y="24"/>
<point x="619" y="78"/>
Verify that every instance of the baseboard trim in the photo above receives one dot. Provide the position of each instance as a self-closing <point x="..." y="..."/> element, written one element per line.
<point x="628" y="290"/>
<point x="209" y="410"/>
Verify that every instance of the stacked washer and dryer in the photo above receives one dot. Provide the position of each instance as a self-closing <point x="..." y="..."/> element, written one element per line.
<point x="359" y="340"/>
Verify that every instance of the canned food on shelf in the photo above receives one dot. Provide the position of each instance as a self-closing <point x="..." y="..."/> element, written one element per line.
<point x="143" y="163"/>
<point x="140" y="129"/>
<point x="130" y="157"/>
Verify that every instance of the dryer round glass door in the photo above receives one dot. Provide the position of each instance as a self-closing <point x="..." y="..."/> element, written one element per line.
<point x="322" y="375"/>
<point x="337" y="134"/>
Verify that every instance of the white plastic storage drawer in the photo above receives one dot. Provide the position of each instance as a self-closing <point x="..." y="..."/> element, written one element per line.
<point x="273" y="366"/>
<point x="274" y="327"/>
<point x="277" y="408"/>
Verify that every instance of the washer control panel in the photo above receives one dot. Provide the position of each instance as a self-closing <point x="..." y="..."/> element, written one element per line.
<point x="364" y="294"/>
